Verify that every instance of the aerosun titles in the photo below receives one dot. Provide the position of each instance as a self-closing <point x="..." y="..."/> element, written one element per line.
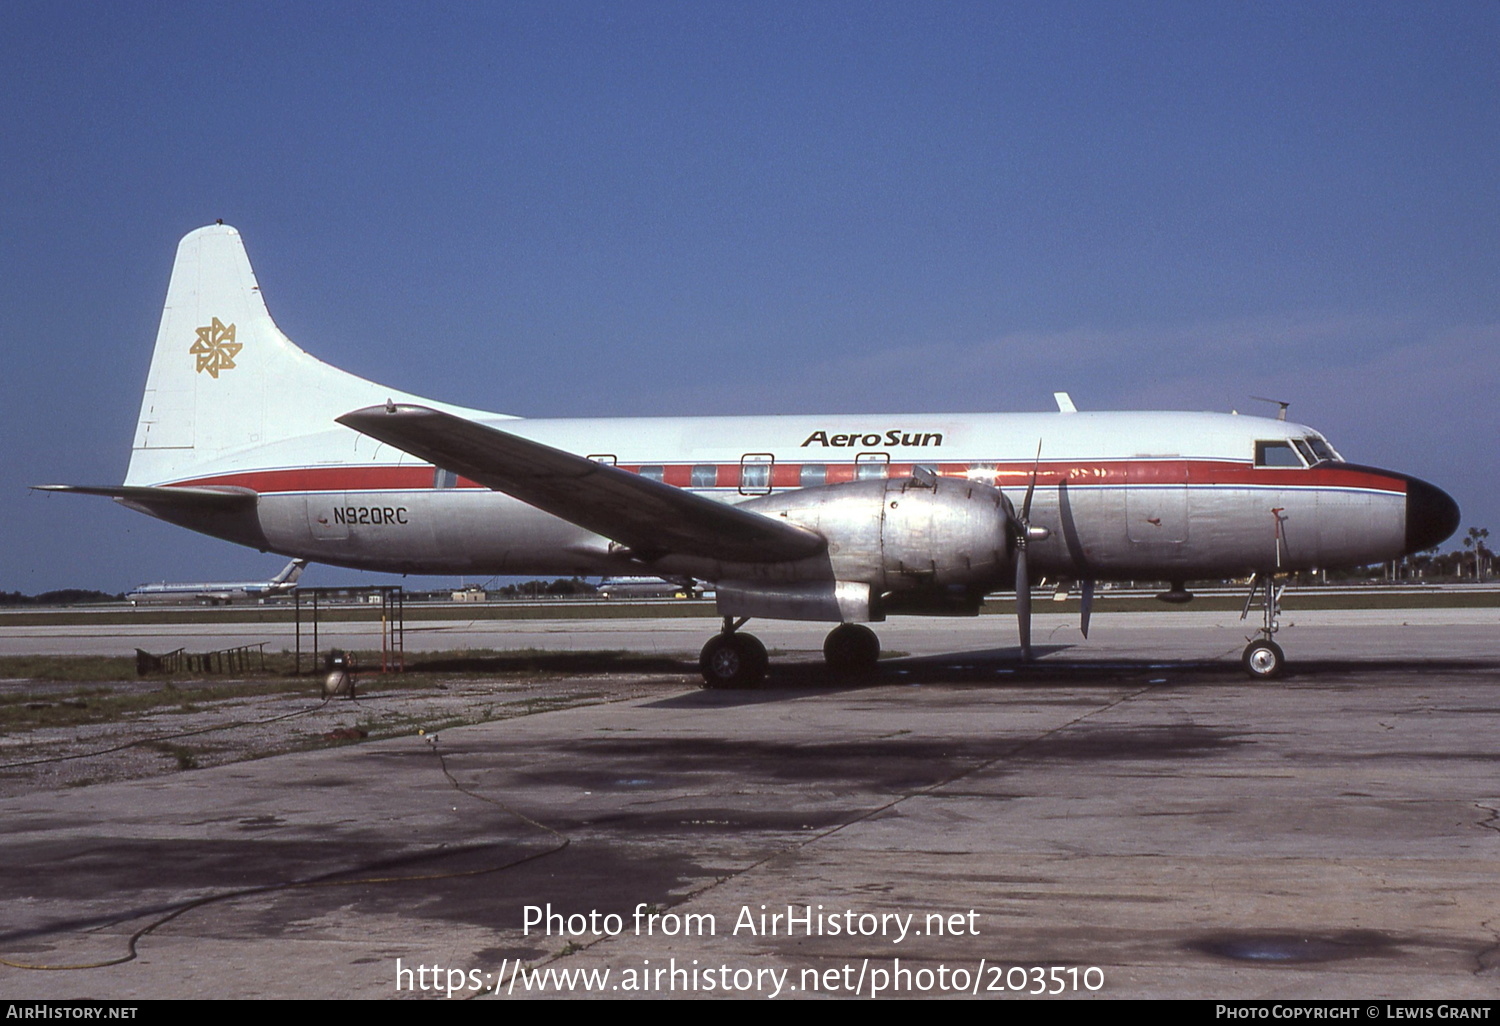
<point x="796" y="921"/>
<point x="873" y="438"/>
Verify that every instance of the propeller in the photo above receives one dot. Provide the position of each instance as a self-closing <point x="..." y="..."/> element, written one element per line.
<point x="1024" y="535"/>
<point x="1023" y="598"/>
<point x="1074" y="549"/>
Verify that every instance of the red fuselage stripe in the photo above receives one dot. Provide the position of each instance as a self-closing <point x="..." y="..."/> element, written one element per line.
<point x="790" y="475"/>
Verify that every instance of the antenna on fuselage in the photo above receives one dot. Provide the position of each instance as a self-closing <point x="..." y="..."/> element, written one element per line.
<point x="1281" y="413"/>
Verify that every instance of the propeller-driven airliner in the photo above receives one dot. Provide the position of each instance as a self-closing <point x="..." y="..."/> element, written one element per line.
<point x="844" y="519"/>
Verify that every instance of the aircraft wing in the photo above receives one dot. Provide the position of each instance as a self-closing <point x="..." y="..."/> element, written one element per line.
<point x="651" y="518"/>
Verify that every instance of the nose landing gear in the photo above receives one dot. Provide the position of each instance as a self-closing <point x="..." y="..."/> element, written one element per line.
<point x="1263" y="659"/>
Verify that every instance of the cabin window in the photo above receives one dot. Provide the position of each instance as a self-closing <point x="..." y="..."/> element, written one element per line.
<point x="755" y="473"/>
<point x="653" y="473"/>
<point x="444" y="478"/>
<point x="1277" y="454"/>
<point x="870" y="466"/>
<point x="705" y="475"/>
<point x="813" y="475"/>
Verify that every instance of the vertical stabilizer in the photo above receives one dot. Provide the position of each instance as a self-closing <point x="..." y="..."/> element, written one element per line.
<point x="224" y="380"/>
<point x="291" y="573"/>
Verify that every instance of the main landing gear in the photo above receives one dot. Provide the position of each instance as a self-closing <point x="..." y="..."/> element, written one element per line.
<point x="732" y="659"/>
<point x="1263" y="658"/>
<point x="851" y="649"/>
<point x="735" y="660"/>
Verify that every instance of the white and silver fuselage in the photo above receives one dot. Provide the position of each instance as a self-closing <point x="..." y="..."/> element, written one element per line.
<point x="1124" y="495"/>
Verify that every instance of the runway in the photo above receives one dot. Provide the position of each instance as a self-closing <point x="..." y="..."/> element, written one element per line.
<point x="1169" y="633"/>
<point x="1130" y="811"/>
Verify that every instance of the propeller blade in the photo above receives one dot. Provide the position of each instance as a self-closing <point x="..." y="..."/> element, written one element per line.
<point x="1031" y="487"/>
<point x="1023" y="602"/>
<point x="1087" y="606"/>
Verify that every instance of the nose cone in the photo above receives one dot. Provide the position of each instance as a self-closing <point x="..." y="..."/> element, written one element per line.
<point x="1431" y="515"/>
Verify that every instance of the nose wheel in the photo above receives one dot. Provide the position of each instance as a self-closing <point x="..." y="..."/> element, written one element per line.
<point x="732" y="659"/>
<point x="1263" y="659"/>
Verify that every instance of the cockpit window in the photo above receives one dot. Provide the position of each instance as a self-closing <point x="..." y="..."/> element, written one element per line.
<point x="1276" y="454"/>
<point x="1305" y="450"/>
<point x="1322" y="450"/>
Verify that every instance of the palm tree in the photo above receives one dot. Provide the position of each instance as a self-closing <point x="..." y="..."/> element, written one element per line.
<point x="1475" y="540"/>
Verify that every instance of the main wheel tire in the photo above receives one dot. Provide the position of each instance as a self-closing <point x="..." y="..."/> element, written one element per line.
<point x="1263" y="659"/>
<point x="733" y="661"/>
<point x="851" y="649"/>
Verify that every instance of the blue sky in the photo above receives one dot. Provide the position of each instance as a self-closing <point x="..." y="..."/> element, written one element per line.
<point x="617" y="208"/>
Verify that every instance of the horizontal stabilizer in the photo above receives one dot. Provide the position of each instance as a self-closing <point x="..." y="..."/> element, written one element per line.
<point x="221" y="497"/>
<point x="651" y="518"/>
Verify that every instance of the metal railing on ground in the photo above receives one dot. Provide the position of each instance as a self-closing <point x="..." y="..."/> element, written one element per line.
<point x="240" y="659"/>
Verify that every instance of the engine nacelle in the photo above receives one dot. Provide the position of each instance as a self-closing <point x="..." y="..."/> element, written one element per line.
<point x="907" y="537"/>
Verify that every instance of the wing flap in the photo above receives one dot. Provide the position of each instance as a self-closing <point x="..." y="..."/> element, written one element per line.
<point x="651" y="518"/>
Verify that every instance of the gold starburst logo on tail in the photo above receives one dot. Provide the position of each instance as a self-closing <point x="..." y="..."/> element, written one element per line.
<point x="216" y="348"/>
